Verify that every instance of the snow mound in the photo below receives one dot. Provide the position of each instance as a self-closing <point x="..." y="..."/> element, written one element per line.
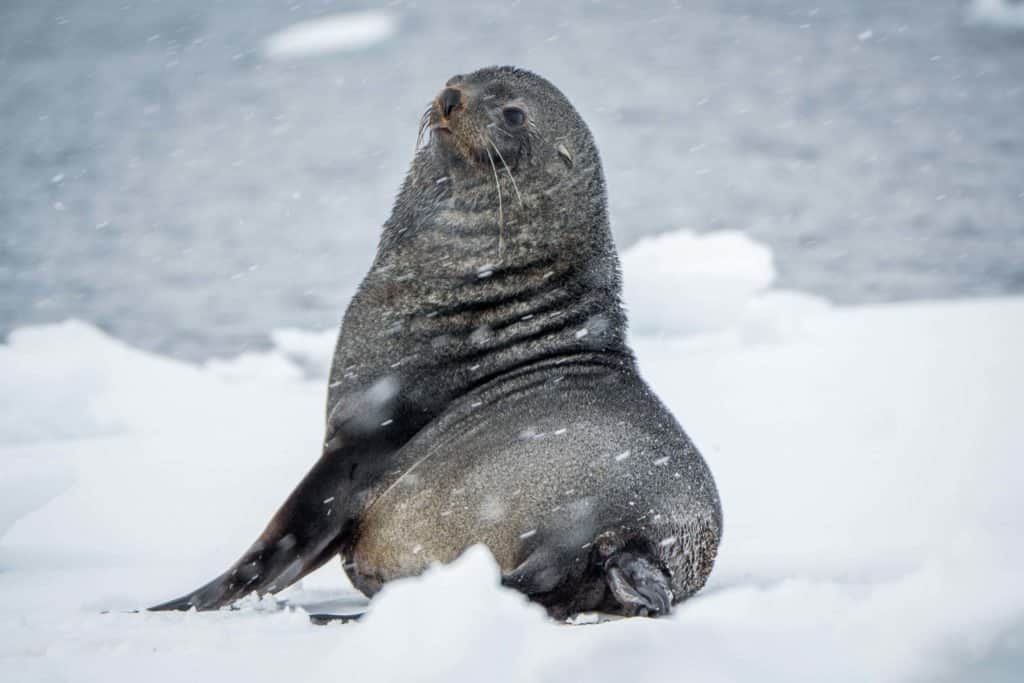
<point x="29" y="482"/>
<point x="454" y="622"/>
<point x="70" y="380"/>
<point x="1002" y="14"/>
<point x="79" y="405"/>
<point x="682" y="282"/>
<point x="43" y="388"/>
<point x="294" y="354"/>
<point x="348" y="32"/>
<point x="256" y="366"/>
<point x="311" y="351"/>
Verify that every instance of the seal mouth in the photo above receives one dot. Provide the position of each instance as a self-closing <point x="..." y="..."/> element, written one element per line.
<point x="435" y="127"/>
<point x="450" y="135"/>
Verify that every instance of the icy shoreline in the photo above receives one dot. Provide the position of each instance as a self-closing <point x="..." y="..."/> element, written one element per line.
<point x="868" y="460"/>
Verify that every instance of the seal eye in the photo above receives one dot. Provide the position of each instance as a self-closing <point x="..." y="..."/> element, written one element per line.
<point x="514" y="116"/>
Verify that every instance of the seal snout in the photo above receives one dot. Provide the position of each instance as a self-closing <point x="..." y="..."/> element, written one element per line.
<point x="448" y="100"/>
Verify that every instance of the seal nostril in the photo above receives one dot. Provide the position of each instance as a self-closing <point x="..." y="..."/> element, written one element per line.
<point x="449" y="99"/>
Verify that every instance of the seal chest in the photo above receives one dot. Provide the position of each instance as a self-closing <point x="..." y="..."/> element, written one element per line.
<point x="482" y="390"/>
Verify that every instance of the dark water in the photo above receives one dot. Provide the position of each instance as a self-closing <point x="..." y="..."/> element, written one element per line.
<point x="160" y="177"/>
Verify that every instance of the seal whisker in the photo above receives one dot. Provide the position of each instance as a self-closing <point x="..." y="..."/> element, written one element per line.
<point x="515" y="185"/>
<point x="501" y="212"/>
<point x="424" y="124"/>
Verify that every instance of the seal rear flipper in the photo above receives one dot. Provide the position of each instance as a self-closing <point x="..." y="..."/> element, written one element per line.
<point x="262" y="569"/>
<point x="638" y="584"/>
<point x="308" y="530"/>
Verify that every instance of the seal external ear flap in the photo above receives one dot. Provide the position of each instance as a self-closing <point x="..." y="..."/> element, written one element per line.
<point x="566" y="155"/>
<point x="638" y="584"/>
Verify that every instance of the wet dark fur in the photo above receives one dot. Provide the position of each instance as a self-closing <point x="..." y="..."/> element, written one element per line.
<point x="482" y="390"/>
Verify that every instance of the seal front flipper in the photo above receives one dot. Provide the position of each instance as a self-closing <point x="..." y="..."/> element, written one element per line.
<point x="640" y="586"/>
<point x="308" y="530"/>
<point x="626" y="582"/>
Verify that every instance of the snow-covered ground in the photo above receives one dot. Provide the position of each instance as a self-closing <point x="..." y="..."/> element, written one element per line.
<point x="868" y="460"/>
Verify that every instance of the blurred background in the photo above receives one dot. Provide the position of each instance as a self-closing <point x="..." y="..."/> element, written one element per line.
<point x="189" y="175"/>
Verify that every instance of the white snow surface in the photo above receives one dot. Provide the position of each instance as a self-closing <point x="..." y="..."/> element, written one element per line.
<point x="345" y="32"/>
<point x="868" y="461"/>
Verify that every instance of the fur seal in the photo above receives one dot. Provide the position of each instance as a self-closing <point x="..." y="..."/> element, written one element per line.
<point x="482" y="390"/>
